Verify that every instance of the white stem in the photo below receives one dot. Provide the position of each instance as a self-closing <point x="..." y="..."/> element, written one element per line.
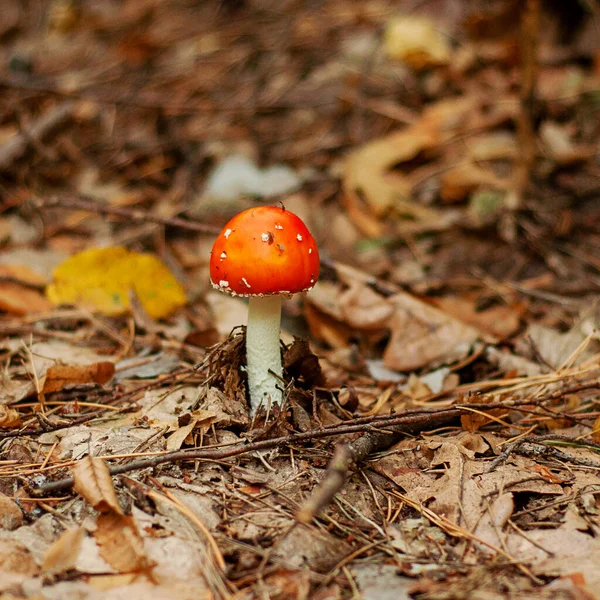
<point x="263" y="353"/>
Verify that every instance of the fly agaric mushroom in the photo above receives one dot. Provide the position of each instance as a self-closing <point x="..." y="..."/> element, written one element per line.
<point x="264" y="253"/>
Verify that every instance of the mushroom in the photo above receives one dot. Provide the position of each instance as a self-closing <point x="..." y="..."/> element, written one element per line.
<point x="264" y="253"/>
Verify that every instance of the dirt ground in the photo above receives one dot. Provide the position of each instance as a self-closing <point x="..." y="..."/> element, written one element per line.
<point x="440" y="431"/>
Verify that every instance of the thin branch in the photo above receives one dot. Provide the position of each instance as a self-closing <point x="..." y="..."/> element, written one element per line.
<point x="16" y="146"/>
<point x="404" y="424"/>
<point x="135" y="215"/>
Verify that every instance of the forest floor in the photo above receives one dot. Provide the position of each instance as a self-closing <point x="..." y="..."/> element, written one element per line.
<point x="440" y="435"/>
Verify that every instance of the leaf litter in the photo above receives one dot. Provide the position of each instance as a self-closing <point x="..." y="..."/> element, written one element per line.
<point x="439" y="437"/>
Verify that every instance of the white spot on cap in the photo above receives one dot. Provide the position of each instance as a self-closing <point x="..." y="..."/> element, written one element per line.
<point x="223" y="255"/>
<point x="245" y="282"/>
<point x="278" y="226"/>
<point x="299" y="237"/>
<point x="227" y="233"/>
<point x="310" y="250"/>
<point x="223" y="283"/>
<point x="264" y="237"/>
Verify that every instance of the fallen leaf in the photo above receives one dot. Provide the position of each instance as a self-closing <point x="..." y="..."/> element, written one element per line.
<point x="62" y="555"/>
<point x="20" y="300"/>
<point x="381" y="582"/>
<point x="201" y="419"/>
<point x="102" y="280"/>
<point x="444" y="475"/>
<point x="556" y="348"/>
<point x="368" y="172"/>
<point x="16" y="557"/>
<point x="59" y="376"/>
<point x="499" y="321"/>
<point x="459" y="182"/>
<point x="93" y="481"/>
<point x="120" y="543"/>
<point x="11" y="515"/>
<point x="493" y="519"/>
<point x="22" y="274"/>
<point x="416" y="41"/>
<point x="422" y="334"/>
<point x="9" y="417"/>
<point x="44" y="355"/>
<point x="363" y="308"/>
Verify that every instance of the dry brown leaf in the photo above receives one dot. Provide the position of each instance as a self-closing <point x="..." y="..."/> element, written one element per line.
<point x="93" y="481"/>
<point x="201" y="419"/>
<point x="473" y="422"/>
<point x="9" y="417"/>
<point x="567" y="404"/>
<point x="368" y="171"/>
<point x="417" y="41"/>
<point x="103" y="583"/>
<point x="326" y="328"/>
<point x="445" y="475"/>
<point x="288" y="583"/>
<point x="59" y="376"/>
<point x="422" y="334"/>
<point x="48" y="354"/>
<point x="120" y="543"/>
<point x="62" y="555"/>
<point x="559" y="552"/>
<point x="596" y="431"/>
<point x="11" y="515"/>
<point x="15" y="557"/>
<point x="22" y="274"/>
<point x="493" y="520"/>
<point x="459" y="182"/>
<point x="498" y="321"/>
<point x="20" y="300"/>
<point x="363" y="308"/>
<point x="548" y="475"/>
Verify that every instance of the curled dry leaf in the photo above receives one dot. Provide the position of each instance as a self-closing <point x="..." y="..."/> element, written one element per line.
<point x="11" y="515"/>
<point x="62" y="555"/>
<point x="368" y="171"/>
<point x="59" y="376"/>
<point x="459" y="182"/>
<point x="200" y="419"/>
<point x="20" y="300"/>
<point x="9" y="417"/>
<point x="120" y="543"/>
<point x="93" y="481"/>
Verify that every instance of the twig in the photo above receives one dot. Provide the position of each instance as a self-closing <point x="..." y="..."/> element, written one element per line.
<point x="126" y="213"/>
<point x="380" y="432"/>
<point x="16" y="146"/>
<point x="535" y="445"/>
<point x="403" y="424"/>
<point x="334" y="479"/>
<point x="528" y="41"/>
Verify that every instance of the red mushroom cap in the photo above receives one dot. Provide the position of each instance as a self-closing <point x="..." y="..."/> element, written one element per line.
<point x="264" y="250"/>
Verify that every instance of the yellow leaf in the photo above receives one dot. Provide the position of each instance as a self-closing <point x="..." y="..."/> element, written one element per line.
<point x="103" y="279"/>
